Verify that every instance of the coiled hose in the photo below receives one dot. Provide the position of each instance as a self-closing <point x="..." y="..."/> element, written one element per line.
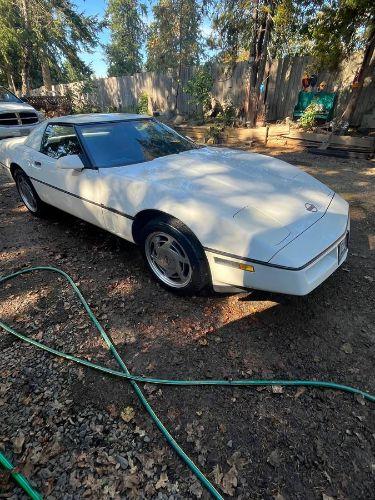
<point x="133" y="379"/>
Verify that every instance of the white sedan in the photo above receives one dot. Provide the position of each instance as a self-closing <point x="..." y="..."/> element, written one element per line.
<point x="203" y="216"/>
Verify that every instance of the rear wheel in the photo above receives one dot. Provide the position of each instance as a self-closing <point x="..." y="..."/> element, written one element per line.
<point x="174" y="256"/>
<point x="28" y="194"/>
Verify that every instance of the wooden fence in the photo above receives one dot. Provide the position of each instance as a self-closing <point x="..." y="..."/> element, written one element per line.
<point x="282" y="87"/>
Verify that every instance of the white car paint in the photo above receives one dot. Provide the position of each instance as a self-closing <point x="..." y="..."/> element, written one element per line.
<point x="243" y="207"/>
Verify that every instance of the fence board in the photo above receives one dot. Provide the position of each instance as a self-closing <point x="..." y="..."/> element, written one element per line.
<point x="122" y="93"/>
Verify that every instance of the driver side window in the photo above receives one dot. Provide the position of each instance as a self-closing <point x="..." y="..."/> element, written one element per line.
<point x="59" y="141"/>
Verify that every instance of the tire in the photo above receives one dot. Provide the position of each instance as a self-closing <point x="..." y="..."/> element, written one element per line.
<point x="174" y="256"/>
<point x="28" y="195"/>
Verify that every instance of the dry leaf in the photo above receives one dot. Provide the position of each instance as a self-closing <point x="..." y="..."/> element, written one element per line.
<point x="237" y="461"/>
<point x="196" y="489"/>
<point x="163" y="481"/>
<point x="347" y="348"/>
<point x="203" y="342"/>
<point x="277" y="389"/>
<point x="274" y="459"/>
<point x="278" y="496"/>
<point x="299" y="392"/>
<point x="128" y="414"/>
<point x="218" y="475"/>
<point x="112" y="410"/>
<point x="18" y="442"/>
<point x="360" y="399"/>
<point x="229" y="481"/>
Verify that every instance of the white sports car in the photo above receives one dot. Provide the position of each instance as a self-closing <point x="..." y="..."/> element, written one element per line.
<point x="203" y="216"/>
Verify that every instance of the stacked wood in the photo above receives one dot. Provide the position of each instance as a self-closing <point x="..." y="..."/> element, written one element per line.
<point x="343" y="142"/>
<point x="233" y="136"/>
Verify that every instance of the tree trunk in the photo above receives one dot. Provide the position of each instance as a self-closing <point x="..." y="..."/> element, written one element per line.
<point x="180" y="57"/>
<point x="10" y="79"/>
<point x="46" y="73"/>
<point x="263" y="54"/>
<point x="25" y="62"/>
<point x="366" y="68"/>
<point x="256" y="74"/>
<point x="251" y="63"/>
<point x="9" y="75"/>
<point x="25" y="77"/>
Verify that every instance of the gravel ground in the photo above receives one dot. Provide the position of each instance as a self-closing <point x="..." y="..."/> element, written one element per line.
<point x="78" y="434"/>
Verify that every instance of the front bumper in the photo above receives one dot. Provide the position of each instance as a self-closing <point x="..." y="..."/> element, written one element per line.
<point x="279" y="278"/>
<point x="15" y="131"/>
<point x="274" y="279"/>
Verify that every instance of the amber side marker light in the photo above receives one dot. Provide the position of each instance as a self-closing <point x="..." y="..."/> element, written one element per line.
<point x="247" y="267"/>
<point x="236" y="265"/>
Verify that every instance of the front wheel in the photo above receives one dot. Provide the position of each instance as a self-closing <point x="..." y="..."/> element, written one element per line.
<point x="174" y="256"/>
<point x="28" y="194"/>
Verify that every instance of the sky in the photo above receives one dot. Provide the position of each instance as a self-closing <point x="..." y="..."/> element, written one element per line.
<point x="97" y="58"/>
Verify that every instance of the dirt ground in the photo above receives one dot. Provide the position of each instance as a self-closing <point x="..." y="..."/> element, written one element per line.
<point x="77" y="434"/>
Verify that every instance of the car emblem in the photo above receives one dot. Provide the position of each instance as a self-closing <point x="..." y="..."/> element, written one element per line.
<point x="310" y="207"/>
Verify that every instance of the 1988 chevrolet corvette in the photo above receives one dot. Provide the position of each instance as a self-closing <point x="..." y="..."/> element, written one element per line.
<point x="203" y="216"/>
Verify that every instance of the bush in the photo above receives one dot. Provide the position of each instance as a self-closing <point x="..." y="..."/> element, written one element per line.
<point x="228" y="115"/>
<point x="214" y="134"/>
<point x="82" y="96"/>
<point x="199" y="87"/>
<point x="309" y="118"/>
<point x="142" y="105"/>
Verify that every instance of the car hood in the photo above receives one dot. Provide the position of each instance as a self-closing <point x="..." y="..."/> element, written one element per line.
<point x="14" y="107"/>
<point x="259" y="192"/>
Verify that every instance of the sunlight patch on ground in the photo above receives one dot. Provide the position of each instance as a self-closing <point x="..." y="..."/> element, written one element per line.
<point x="19" y="210"/>
<point x="12" y="255"/>
<point x="21" y="306"/>
<point x="369" y="171"/>
<point x="371" y="241"/>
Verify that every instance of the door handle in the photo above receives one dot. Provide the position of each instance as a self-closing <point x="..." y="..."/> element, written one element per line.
<point x="37" y="163"/>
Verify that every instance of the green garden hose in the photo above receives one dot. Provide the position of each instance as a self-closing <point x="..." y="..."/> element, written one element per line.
<point x="19" y="478"/>
<point x="133" y="379"/>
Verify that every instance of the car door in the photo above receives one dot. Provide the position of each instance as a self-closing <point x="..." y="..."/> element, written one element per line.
<point x="75" y="192"/>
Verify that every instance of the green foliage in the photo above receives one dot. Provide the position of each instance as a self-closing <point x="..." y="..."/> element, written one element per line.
<point x="75" y="73"/>
<point x="309" y="118"/>
<point x="10" y="42"/>
<point x="340" y="28"/>
<point x="228" y="115"/>
<point x="289" y="28"/>
<point x="232" y="24"/>
<point x="43" y="32"/>
<point x="199" y="87"/>
<point x="82" y="96"/>
<point x="124" y="19"/>
<point x="174" y="38"/>
<point x="142" y="105"/>
<point x="214" y="134"/>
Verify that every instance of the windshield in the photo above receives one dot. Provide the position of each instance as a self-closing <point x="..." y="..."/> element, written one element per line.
<point x="7" y="96"/>
<point x="123" y="143"/>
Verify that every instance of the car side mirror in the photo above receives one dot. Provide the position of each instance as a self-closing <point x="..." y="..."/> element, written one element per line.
<point x="70" y="162"/>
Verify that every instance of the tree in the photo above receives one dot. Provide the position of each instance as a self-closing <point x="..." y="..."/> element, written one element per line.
<point x="174" y="39"/>
<point x="246" y="25"/>
<point x="70" y="73"/>
<point x="43" y="34"/>
<point x="124" y="19"/>
<point x="339" y="29"/>
<point x="9" y="43"/>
